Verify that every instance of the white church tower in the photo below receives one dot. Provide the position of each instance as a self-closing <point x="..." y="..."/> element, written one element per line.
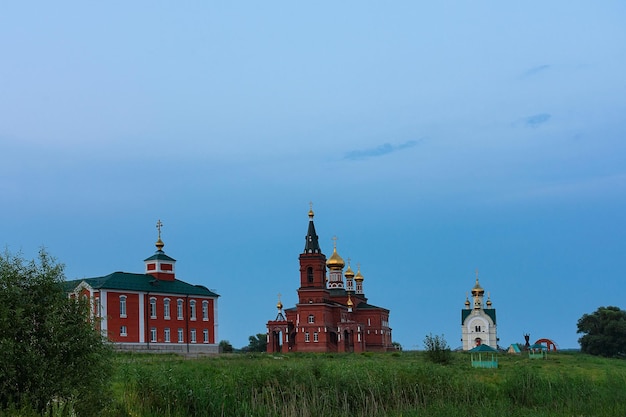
<point x="478" y="322"/>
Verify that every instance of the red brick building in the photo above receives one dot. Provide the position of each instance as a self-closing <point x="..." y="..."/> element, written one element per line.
<point x="153" y="310"/>
<point x="332" y="314"/>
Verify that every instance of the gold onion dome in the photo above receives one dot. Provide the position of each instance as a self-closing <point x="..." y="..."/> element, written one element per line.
<point x="279" y="305"/>
<point x="358" y="276"/>
<point x="335" y="261"/>
<point x="488" y="303"/>
<point x="350" y="303"/>
<point x="349" y="273"/>
<point x="467" y="303"/>
<point x="159" y="244"/>
<point x="477" y="290"/>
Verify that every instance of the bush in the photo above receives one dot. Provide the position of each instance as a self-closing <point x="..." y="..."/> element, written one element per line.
<point x="437" y="349"/>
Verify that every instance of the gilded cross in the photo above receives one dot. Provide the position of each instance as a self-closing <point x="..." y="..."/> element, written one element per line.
<point x="158" y="226"/>
<point x="334" y="241"/>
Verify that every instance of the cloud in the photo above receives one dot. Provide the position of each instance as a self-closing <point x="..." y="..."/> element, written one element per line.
<point x="535" y="70"/>
<point x="536" y="120"/>
<point x="381" y="150"/>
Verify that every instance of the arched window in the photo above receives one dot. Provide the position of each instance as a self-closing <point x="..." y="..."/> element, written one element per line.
<point x="166" y="308"/>
<point x="205" y="310"/>
<point x="311" y="318"/>
<point x="192" y="309"/>
<point x="179" y="309"/>
<point x="309" y="275"/>
<point x="153" y="308"/>
<point x="122" y="306"/>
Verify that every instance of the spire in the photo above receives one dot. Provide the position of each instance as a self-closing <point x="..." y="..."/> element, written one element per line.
<point x="311" y="240"/>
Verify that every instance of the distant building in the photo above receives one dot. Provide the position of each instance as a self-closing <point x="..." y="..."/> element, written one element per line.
<point x="152" y="311"/>
<point x="478" y="324"/>
<point x="332" y="314"/>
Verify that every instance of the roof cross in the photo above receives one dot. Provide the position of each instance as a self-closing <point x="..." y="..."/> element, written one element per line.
<point x="158" y="226"/>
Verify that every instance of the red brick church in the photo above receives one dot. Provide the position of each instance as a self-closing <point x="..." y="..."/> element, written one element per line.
<point x="332" y="314"/>
<point x="152" y="311"/>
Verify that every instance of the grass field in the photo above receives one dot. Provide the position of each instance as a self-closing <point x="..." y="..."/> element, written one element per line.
<point x="392" y="384"/>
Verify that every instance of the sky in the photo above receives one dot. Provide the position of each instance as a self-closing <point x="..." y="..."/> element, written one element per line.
<point x="434" y="139"/>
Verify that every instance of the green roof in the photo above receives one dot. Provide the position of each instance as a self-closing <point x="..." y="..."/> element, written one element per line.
<point x="160" y="255"/>
<point x="483" y="348"/>
<point x="141" y="282"/>
<point x="491" y="312"/>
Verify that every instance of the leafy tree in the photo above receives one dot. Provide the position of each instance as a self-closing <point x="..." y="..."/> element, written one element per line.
<point x="257" y="343"/>
<point x="604" y="332"/>
<point x="437" y="349"/>
<point x="51" y="352"/>
<point x="225" y="346"/>
<point x="396" y="345"/>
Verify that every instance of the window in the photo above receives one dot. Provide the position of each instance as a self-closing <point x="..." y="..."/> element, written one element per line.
<point x="205" y="310"/>
<point x="180" y="336"/>
<point x="123" y="331"/>
<point x="309" y="275"/>
<point x="153" y="308"/>
<point x="306" y="337"/>
<point x="311" y="318"/>
<point x="98" y="307"/>
<point x="166" y="308"/>
<point x="477" y="328"/>
<point x="167" y="335"/>
<point x="315" y="339"/>
<point x="179" y="309"/>
<point x="122" y="306"/>
<point x="193" y="335"/>
<point x="192" y="309"/>
<point x="153" y="334"/>
<point x="205" y="334"/>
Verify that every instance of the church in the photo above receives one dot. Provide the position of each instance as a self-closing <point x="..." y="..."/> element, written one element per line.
<point x="332" y="313"/>
<point x="152" y="311"/>
<point x="478" y="324"/>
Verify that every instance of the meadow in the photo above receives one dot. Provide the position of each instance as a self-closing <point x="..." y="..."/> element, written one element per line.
<point x="391" y="384"/>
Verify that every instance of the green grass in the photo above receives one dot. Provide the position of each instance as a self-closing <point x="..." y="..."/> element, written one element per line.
<point x="393" y="384"/>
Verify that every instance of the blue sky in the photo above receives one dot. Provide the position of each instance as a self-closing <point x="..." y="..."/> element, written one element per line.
<point x="433" y="138"/>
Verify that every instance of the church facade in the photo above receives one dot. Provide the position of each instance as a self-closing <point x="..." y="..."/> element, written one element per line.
<point x="332" y="313"/>
<point x="152" y="311"/>
<point x="478" y="321"/>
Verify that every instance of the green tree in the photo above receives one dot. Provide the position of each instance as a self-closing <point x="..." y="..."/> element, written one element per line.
<point x="257" y="343"/>
<point x="604" y="332"/>
<point x="225" y="346"/>
<point x="437" y="349"/>
<point x="51" y="352"/>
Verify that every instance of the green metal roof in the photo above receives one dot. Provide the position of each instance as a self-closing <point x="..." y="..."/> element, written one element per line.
<point x="491" y="312"/>
<point x="483" y="348"/>
<point x="160" y="255"/>
<point x="141" y="282"/>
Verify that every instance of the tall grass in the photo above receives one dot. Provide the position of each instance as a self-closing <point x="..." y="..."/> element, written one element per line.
<point x="367" y="385"/>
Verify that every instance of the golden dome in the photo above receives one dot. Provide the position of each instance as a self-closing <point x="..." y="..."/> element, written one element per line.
<point x="159" y="244"/>
<point x="358" y="276"/>
<point x="489" y="303"/>
<point x="349" y="272"/>
<point x="335" y="261"/>
<point x="477" y="290"/>
<point x="279" y="305"/>
<point x="467" y="303"/>
<point x="350" y="303"/>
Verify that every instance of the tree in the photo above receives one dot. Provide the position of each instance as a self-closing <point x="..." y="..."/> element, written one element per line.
<point x="257" y="343"/>
<point x="51" y="352"/>
<point x="604" y="332"/>
<point x="225" y="346"/>
<point x="437" y="349"/>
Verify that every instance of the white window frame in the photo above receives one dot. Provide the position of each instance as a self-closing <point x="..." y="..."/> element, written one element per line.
<point x="315" y="337"/>
<point x="123" y="305"/>
<point x="192" y="310"/>
<point x="167" y="335"/>
<point x="205" y="310"/>
<point x="166" y="308"/>
<point x="123" y="331"/>
<point x="193" y="336"/>
<point x="311" y="319"/>
<point x="181" y="335"/>
<point x="307" y="337"/>
<point x="153" y="307"/>
<point x="153" y="334"/>
<point x="205" y="334"/>
<point x="179" y="309"/>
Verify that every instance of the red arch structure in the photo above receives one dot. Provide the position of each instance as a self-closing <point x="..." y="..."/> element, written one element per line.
<point x="549" y="343"/>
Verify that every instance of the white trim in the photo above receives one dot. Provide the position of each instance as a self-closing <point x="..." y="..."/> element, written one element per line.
<point x="215" y="325"/>
<point x="104" y="324"/>
<point x="142" y="319"/>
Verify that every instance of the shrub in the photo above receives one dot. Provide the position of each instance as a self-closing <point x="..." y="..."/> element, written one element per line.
<point x="437" y="349"/>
